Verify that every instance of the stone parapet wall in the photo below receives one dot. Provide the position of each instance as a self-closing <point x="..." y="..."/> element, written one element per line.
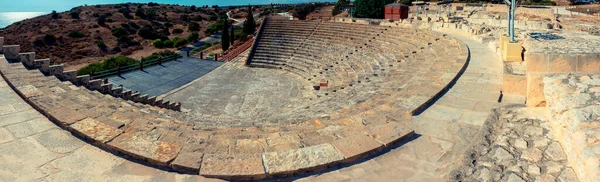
<point x="519" y="24"/>
<point x="522" y="11"/>
<point x="11" y="53"/>
<point x="573" y="101"/>
<point x="567" y="52"/>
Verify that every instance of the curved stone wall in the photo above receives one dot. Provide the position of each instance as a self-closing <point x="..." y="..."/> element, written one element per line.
<point x="369" y="80"/>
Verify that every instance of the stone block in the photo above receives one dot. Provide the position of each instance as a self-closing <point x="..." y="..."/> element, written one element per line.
<point x="300" y="160"/>
<point x="95" y="84"/>
<point x="356" y="147"/>
<point x="56" y="70"/>
<point x="391" y="133"/>
<point x="1" y="44"/>
<point x="513" y="52"/>
<point x="233" y="166"/>
<point x="27" y="58"/>
<point x="69" y="76"/>
<point x="588" y="63"/>
<point x="562" y="63"/>
<point x="535" y="90"/>
<point x="11" y="52"/>
<point x="514" y="84"/>
<point x="29" y="91"/>
<point x="96" y="131"/>
<point x="503" y="40"/>
<point x="42" y="64"/>
<point x="126" y="95"/>
<point x="66" y="116"/>
<point x="82" y="80"/>
<point x="106" y="88"/>
<point x="188" y="162"/>
<point x="145" y="147"/>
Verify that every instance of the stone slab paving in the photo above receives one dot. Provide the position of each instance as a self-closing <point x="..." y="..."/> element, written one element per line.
<point x="160" y="79"/>
<point x="32" y="148"/>
<point x="443" y="132"/>
<point x="574" y="105"/>
<point x="516" y="145"/>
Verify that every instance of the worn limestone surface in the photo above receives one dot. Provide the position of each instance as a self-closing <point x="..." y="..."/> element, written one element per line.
<point x="516" y="145"/>
<point x="32" y="148"/>
<point x="333" y="111"/>
<point x="574" y="104"/>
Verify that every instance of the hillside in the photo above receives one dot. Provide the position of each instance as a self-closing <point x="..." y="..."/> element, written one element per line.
<point x="88" y="34"/>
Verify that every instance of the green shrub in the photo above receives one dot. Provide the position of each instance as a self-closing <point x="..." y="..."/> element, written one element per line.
<point x="204" y="47"/>
<point x="177" y="31"/>
<point x="158" y="43"/>
<point x="214" y="27"/>
<point x="54" y="15"/>
<point x="110" y="63"/>
<point x="193" y="27"/>
<point x="76" y="34"/>
<point x="179" y="42"/>
<point x="101" y="45"/>
<point x="119" y="32"/>
<point x="168" y="43"/>
<point x="149" y="32"/>
<point x="49" y="39"/>
<point x="75" y="13"/>
<point x="133" y="25"/>
<point x="193" y="37"/>
<point x="161" y="54"/>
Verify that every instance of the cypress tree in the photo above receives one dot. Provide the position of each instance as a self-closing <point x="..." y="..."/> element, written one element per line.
<point x="232" y="36"/>
<point x="225" y="36"/>
<point x="370" y="8"/>
<point x="249" y="24"/>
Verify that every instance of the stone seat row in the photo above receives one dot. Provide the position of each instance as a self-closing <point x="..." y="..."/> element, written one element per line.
<point x="142" y="133"/>
<point x="29" y="60"/>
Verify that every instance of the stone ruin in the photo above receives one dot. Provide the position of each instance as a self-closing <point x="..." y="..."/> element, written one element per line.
<point x="362" y="83"/>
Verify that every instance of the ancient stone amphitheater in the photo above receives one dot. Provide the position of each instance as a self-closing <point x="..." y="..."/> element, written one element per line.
<point x="360" y="87"/>
<point x="321" y="100"/>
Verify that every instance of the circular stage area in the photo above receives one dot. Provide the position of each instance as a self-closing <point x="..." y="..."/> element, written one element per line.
<point x="313" y="95"/>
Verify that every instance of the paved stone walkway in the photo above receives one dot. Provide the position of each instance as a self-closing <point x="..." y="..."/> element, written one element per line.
<point x="444" y="131"/>
<point x="157" y="80"/>
<point x="38" y="150"/>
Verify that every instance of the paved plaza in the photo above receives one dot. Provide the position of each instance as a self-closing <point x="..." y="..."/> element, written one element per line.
<point x="159" y="79"/>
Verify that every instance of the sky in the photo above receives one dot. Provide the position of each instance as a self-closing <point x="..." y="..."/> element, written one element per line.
<point x="64" y="5"/>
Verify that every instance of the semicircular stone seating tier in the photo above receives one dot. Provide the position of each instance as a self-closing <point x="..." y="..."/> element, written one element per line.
<point x="365" y="83"/>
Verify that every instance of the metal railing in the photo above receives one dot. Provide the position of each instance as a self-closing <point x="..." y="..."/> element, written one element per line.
<point x="138" y="66"/>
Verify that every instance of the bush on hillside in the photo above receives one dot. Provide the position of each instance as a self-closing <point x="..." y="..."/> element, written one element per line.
<point x="76" y="34"/>
<point x="158" y="43"/>
<point x="179" y="42"/>
<point x="177" y="31"/>
<point x="193" y="37"/>
<point x="54" y="15"/>
<point x="168" y="43"/>
<point x="75" y="13"/>
<point x="101" y="45"/>
<point x="49" y="39"/>
<point x="110" y="63"/>
<point x="119" y="32"/>
<point x="161" y="55"/>
<point x="193" y="27"/>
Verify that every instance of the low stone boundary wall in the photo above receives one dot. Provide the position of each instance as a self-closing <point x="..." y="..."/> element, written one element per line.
<point x="11" y="53"/>
<point x="573" y="101"/>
